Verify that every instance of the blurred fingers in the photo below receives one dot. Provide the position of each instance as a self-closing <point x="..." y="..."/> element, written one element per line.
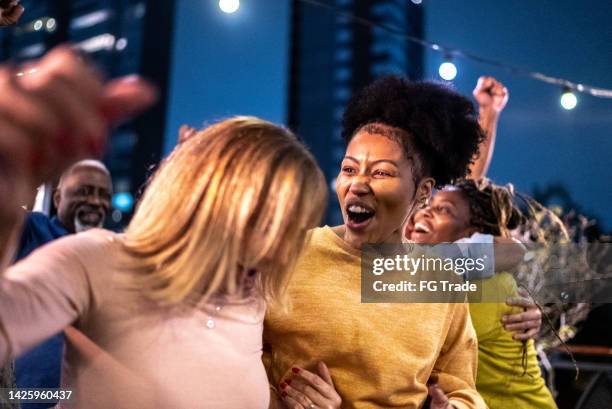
<point x="437" y="395"/>
<point x="12" y="15"/>
<point x="290" y="402"/>
<point x="126" y="97"/>
<point x="25" y="109"/>
<point x="520" y="302"/>
<point x="521" y="326"/>
<point x="524" y="336"/>
<point x="515" y="318"/>
<point x="523" y="292"/>
<point x="324" y="372"/>
<point x="297" y="396"/>
<point x="317" y="382"/>
<point x="65" y="63"/>
<point x="79" y="116"/>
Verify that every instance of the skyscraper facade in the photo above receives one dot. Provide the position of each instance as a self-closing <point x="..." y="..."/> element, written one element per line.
<point x="121" y="37"/>
<point x="332" y="56"/>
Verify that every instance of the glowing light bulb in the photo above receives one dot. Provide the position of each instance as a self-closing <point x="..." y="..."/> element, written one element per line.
<point x="448" y="71"/>
<point x="568" y="100"/>
<point x="121" y="44"/>
<point x="123" y="201"/>
<point x="38" y="25"/>
<point x="51" y="23"/>
<point x="229" y="6"/>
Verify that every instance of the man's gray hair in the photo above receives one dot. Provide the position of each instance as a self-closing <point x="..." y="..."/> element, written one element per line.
<point x="85" y="163"/>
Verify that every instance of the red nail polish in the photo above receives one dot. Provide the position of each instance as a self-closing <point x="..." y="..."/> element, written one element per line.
<point x="288" y="381"/>
<point x="283" y="385"/>
<point x="284" y="394"/>
<point x="295" y="370"/>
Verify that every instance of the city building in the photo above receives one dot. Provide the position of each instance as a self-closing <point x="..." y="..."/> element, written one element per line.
<point x="332" y="56"/>
<point x="121" y="37"/>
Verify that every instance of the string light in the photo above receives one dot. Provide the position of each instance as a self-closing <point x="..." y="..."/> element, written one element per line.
<point x="121" y="44"/>
<point x="568" y="99"/>
<point x="447" y="70"/>
<point x="571" y="85"/>
<point x="229" y="6"/>
<point x="51" y="24"/>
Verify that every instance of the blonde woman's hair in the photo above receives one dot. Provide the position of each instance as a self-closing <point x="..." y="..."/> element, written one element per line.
<point x="240" y="192"/>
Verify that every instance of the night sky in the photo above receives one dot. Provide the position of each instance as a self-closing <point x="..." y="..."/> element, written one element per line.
<point x="238" y="64"/>
<point x="228" y="64"/>
<point x="539" y="143"/>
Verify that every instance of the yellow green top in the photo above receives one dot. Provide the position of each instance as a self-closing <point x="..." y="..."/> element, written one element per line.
<point x="500" y="378"/>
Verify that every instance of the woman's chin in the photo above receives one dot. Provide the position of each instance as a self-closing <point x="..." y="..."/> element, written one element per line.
<point x="420" y="238"/>
<point x="358" y="227"/>
<point x="357" y="234"/>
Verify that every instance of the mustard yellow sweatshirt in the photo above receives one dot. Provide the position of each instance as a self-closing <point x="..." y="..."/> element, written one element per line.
<point x="379" y="355"/>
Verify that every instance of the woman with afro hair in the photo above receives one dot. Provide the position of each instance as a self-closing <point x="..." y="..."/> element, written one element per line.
<point x="330" y="350"/>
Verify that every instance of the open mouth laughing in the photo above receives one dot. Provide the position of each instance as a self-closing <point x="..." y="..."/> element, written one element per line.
<point x="359" y="215"/>
<point x="87" y="217"/>
<point x="420" y="231"/>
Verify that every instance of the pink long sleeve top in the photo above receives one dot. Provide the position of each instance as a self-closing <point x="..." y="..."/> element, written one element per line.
<point x="130" y="353"/>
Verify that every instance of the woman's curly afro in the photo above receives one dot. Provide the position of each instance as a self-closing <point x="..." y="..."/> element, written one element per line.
<point x="440" y="125"/>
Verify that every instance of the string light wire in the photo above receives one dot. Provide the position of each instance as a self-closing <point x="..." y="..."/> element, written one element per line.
<point x="455" y="52"/>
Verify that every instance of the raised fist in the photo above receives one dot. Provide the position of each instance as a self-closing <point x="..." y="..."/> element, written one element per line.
<point x="491" y="94"/>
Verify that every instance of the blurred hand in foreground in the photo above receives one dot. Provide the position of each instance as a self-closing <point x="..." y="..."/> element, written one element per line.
<point x="10" y="12"/>
<point x="54" y="112"/>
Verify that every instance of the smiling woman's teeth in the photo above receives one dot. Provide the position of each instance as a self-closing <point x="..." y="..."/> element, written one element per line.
<point x="421" y="228"/>
<point x="359" y="214"/>
<point x="358" y="209"/>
